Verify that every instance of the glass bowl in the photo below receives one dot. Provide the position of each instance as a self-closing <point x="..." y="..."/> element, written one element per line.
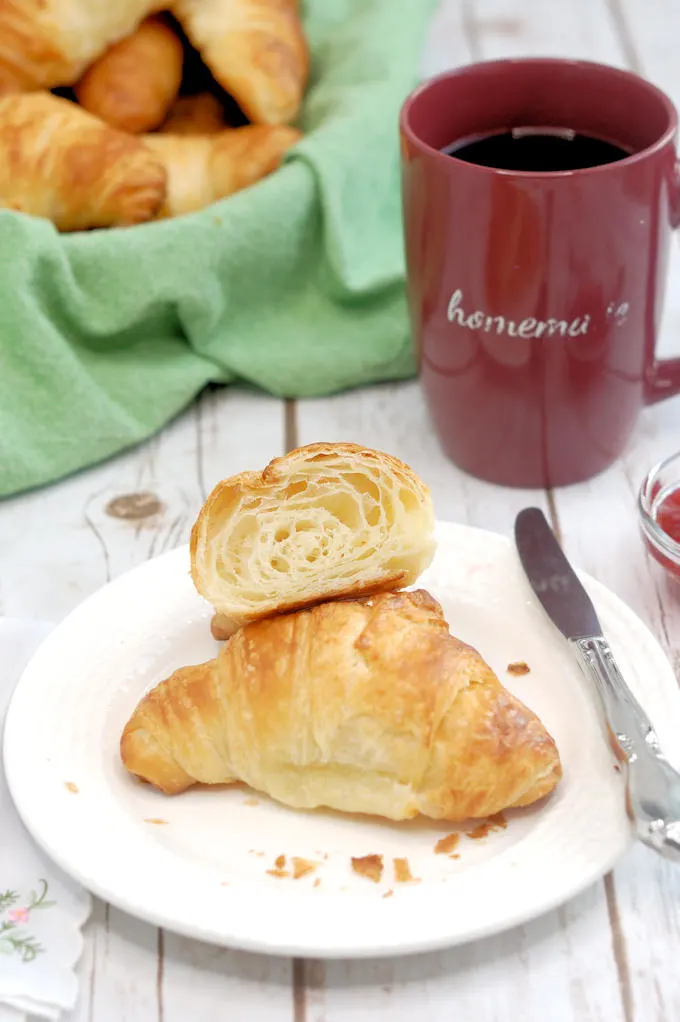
<point x="659" y="510"/>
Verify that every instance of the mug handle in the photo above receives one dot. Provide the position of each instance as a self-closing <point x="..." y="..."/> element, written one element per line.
<point x="663" y="378"/>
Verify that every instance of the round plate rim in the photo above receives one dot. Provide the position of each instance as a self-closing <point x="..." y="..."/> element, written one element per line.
<point x="206" y="933"/>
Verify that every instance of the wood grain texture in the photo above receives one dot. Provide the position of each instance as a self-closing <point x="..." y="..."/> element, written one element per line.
<point x="646" y="889"/>
<point x="60" y="544"/>
<point x="556" y="953"/>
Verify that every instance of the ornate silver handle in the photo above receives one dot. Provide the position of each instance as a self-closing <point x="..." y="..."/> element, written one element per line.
<point x="652" y="785"/>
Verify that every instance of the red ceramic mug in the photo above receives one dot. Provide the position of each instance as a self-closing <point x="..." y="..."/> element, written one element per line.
<point x="535" y="297"/>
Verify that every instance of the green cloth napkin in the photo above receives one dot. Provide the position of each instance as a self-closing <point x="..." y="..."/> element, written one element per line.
<point x="294" y="285"/>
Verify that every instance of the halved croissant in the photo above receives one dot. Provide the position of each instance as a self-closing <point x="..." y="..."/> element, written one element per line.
<point x="44" y="43"/>
<point x="328" y="520"/>
<point x="203" y="169"/>
<point x="133" y="85"/>
<point x="59" y="162"/>
<point x="367" y="706"/>
<point x="256" y="50"/>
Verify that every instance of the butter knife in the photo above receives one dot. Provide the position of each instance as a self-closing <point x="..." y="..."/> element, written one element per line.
<point x="652" y="785"/>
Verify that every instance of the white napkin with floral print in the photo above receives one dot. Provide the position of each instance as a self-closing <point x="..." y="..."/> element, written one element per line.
<point x="41" y="909"/>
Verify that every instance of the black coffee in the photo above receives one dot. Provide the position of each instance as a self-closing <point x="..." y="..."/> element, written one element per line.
<point x="536" y="149"/>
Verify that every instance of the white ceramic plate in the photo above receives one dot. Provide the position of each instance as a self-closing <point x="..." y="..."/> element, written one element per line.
<point x="204" y="871"/>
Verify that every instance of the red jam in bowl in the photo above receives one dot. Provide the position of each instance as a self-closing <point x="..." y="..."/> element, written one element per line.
<point x="659" y="507"/>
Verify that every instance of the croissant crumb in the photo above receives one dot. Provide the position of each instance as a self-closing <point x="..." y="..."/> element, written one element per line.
<point x="369" y="866"/>
<point x="446" y="844"/>
<point x="302" y="867"/>
<point x="402" y="872"/>
<point x="482" y="830"/>
<point x="518" y="667"/>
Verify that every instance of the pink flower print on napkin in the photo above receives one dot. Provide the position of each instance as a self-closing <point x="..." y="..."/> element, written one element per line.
<point x="18" y="915"/>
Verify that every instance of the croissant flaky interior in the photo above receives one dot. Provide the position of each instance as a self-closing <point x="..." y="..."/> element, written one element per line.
<point x="58" y="161"/>
<point x="325" y="521"/>
<point x="366" y="706"/>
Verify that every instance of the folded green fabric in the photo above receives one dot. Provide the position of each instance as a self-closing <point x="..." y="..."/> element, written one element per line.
<point x="294" y="285"/>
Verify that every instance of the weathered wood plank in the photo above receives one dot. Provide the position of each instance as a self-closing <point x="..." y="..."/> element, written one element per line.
<point x="207" y="984"/>
<point x="599" y="526"/>
<point x="58" y="546"/>
<point x="552" y="957"/>
<point x="521" y="28"/>
<point x="557" y="954"/>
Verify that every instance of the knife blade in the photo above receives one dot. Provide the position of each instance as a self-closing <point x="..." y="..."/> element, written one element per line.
<point x="552" y="577"/>
<point x="652" y="784"/>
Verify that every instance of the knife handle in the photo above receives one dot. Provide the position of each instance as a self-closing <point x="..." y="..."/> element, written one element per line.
<point x="652" y="785"/>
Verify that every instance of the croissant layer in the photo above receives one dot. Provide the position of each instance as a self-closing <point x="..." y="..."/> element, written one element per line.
<point x="58" y="161"/>
<point x="256" y="50"/>
<point x="366" y="706"/>
<point x="44" y="43"/>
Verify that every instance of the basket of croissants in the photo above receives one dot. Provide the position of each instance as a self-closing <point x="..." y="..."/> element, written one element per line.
<point x="120" y="112"/>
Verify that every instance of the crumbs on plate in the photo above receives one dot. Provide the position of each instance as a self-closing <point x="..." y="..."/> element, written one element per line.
<point x="388" y="894"/>
<point x="402" y="872"/>
<point x="446" y="844"/>
<point x="494" y="823"/>
<point x="251" y="802"/>
<point x="518" y="667"/>
<point x="70" y="786"/>
<point x="302" y="867"/>
<point x="369" y="866"/>
<point x="155" y="819"/>
<point x="279" y="867"/>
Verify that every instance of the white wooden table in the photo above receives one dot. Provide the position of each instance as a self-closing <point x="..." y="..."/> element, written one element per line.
<point x="612" y="954"/>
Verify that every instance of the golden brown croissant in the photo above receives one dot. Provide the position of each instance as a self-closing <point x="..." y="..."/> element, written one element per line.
<point x="203" y="169"/>
<point x="202" y="114"/>
<point x="256" y="50"/>
<point x="327" y="520"/>
<point x="59" y="162"/>
<point x="44" y="43"/>
<point x="367" y="706"/>
<point x="133" y="85"/>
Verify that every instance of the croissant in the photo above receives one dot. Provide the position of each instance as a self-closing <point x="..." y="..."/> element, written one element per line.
<point x="202" y="114"/>
<point x="367" y="706"/>
<point x="58" y="161"/>
<point x="44" y="43"/>
<point x="203" y="169"/>
<point x="256" y="50"/>
<point x="324" y="521"/>
<point x="133" y="85"/>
